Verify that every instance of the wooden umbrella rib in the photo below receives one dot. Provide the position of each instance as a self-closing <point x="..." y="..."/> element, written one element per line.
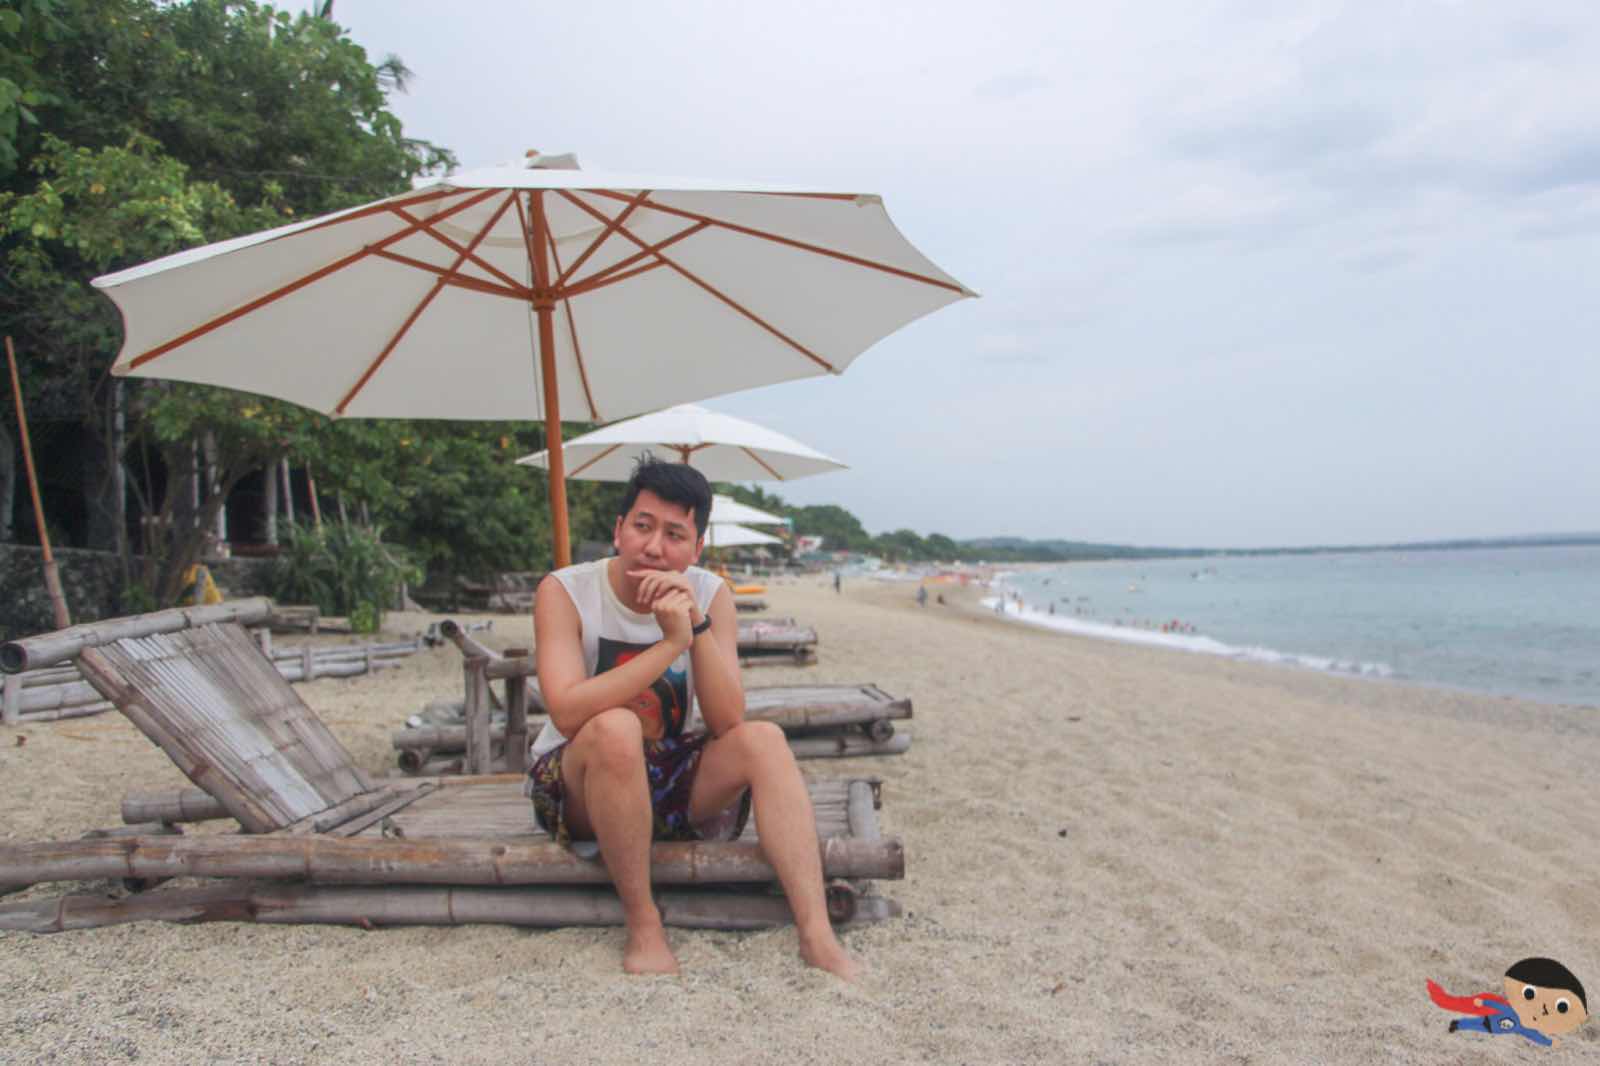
<point x="296" y="285"/>
<point x="460" y="281"/>
<point x="610" y="228"/>
<point x="610" y="275"/>
<point x="715" y="292"/>
<point x="816" y="249"/>
<point x="386" y="206"/>
<point x="422" y="305"/>
<point x="572" y="328"/>
<point x="454" y="246"/>
<point x="760" y="462"/>
<point x="590" y="286"/>
<point x="593" y="461"/>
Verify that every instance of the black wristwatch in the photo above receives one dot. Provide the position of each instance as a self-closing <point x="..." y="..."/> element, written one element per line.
<point x="705" y="624"/>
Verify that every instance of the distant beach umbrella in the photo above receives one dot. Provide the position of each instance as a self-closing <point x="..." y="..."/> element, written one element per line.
<point x="533" y="289"/>
<point x="727" y="509"/>
<point x="721" y="447"/>
<point x="733" y="535"/>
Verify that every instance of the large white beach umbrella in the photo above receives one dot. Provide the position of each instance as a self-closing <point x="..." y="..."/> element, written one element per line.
<point x="721" y="447"/>
<point x="733" y="535"/>
<point x="726" y="509"/>
<point x="533" y="289"/>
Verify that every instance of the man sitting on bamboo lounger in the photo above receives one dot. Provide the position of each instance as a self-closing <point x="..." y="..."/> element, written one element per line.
<point x="629" y="649"/>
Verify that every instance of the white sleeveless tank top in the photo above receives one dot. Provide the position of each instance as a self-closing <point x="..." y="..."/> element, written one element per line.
<point x="613" y="634"/>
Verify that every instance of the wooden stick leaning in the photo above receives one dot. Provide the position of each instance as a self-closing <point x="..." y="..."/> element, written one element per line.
<point x="52" y="577"/>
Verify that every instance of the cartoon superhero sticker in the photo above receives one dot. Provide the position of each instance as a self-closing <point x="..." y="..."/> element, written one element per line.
<point x="1542" y="1001"/>
<point x="663" y="707"/>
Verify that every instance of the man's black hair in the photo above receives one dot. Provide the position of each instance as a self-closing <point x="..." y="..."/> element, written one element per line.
<point x="1547" y="973"/>
<point x="677" y="483"/>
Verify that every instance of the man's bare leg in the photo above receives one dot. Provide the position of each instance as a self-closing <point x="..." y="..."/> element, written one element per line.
<point x="756" y="755"/>
<point x="603" y="776"/>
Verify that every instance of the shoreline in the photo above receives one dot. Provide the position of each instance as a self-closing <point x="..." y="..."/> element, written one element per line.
<point x="1019" y="613"/>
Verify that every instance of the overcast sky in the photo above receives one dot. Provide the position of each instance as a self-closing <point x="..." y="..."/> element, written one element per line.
<point x="1253" y="273"/>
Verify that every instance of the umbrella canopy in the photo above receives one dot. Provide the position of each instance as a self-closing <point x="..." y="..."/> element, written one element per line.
<point x="721" y="447"/>
<point x="725" y="509"/>
<point x="733" y="535"/>
<point x="493" y="293"/>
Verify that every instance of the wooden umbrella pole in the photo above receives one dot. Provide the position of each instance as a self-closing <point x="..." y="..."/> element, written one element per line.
<point x="52" y="578"/>
<point x="544" y="307"/>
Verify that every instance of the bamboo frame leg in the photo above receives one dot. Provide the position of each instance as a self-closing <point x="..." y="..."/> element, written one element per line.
<point x="479" y="753"/>
<point x="516" y="743"/>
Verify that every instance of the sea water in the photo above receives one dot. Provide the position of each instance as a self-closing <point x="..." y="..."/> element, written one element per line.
<point x="1513" y="621"/>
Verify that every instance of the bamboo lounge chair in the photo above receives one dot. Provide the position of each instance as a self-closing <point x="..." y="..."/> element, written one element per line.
<point x="450" y="737"/>
<point x="821" y="722"/>
<point x="776" y="642"/>
<point x="323" y="843"/>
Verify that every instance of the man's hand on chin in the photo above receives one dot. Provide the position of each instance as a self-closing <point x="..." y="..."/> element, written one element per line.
<point x="653" y="584"/>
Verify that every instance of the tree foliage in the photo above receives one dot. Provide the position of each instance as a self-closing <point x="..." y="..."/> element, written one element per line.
<point x="130" y="129"/>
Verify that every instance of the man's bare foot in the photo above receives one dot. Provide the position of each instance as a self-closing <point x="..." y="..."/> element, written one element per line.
<point x="648" y="952"/>
<point x="824" y="951"/>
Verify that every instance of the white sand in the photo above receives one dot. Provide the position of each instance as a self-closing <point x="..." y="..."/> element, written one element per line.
<point x="1115" y="854"/>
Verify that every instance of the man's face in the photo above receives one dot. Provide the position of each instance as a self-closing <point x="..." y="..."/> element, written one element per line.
<point x="1552" y="1011"/>
<point x="656" y="535"/>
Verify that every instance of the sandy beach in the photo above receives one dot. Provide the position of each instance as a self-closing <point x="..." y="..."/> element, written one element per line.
<point x="1115" y="855"/>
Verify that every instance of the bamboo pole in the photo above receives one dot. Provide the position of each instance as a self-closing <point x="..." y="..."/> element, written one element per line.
<point x="477" y="714"/>
<point x="52" y="675"/>
<point x="456" y="634"/>
<point x="52" y="577"/>
<point x="434" y="861"/>
<point x="845" y="746"/>
<point x="369" y="908"/>
<point x="182" y="805"/>
<point x="81" y="710"/>
<point x="508" y="667"/>
<point x="47" y="649"/>
<point x="418" y="745"/>
<point x="52" y="697"/>
<point x="862" y="811"/>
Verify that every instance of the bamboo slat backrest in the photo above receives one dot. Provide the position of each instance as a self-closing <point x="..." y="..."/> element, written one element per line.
<point x="230" y="721"/>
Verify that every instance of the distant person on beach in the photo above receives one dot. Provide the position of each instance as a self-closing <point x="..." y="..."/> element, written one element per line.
<point x="922" y="595"/>
<point x="647" y="739"/>
<point x="838" y="579"/>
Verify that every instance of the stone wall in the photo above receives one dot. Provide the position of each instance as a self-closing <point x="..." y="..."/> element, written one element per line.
<point x="92" y="582"/>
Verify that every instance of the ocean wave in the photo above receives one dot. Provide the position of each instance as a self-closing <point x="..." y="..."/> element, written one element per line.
<point x="1182" y="641"/>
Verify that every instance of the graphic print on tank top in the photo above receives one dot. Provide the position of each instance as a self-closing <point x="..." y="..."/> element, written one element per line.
<point x="663" y="707"/>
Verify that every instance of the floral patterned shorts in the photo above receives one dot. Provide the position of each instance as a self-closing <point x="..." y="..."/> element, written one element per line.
<point x="669" y="765"/>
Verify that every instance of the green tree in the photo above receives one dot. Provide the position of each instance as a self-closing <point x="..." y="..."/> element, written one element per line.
<point x="839" y="528"/>
<point x="159" y="126"/>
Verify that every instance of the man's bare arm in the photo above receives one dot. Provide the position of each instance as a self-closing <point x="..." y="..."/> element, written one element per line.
<point x="571" y="697"/>
<point x="715" y="653"/>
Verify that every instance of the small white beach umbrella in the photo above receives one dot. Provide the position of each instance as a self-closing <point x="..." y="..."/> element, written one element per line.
<point x="533" y="290"/>
<point x="727" y="509"/>
<point x="733" y="535"/>
<point x="721" y="447"/>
